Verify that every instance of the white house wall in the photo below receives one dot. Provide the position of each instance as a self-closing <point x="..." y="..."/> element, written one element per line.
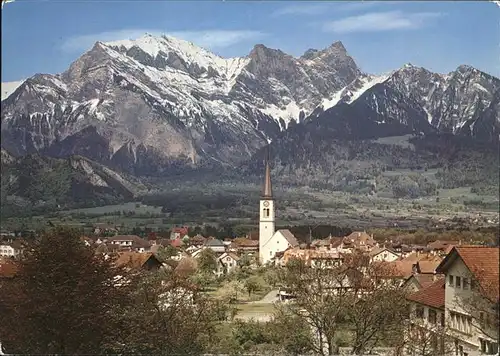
<point x="453" y="296"/>
<point x="276" y="244"/>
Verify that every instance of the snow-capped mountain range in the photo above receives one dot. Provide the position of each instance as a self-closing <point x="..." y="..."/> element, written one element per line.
<point x="147" y="105"/>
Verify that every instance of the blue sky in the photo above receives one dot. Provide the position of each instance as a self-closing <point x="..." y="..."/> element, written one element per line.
<point x="45" y="36"/>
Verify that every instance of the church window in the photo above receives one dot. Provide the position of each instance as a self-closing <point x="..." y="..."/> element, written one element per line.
<point x="266" y="213"/>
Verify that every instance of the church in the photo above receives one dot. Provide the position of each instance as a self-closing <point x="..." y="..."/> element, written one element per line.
<point x="270" y="240"/>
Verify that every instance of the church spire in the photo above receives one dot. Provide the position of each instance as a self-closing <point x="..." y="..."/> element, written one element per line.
<point x="267" y="191"/>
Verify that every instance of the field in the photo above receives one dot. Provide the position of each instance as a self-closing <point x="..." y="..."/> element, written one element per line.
<point x="368" y="204"/>
<point x="136" y="207"/>
<point x="309" y="207"/>
<point x="255" y="311"/>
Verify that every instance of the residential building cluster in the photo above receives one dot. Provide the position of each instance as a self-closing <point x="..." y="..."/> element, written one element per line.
<point x="457" y="309"/>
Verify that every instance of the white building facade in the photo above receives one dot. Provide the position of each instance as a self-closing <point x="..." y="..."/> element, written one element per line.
<point x="267" y="216"/>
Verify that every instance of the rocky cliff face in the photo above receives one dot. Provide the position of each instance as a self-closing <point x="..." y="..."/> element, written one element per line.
<point x="157" y="102"/>
<point x="35" y="181"/>
<point x="426" y="102"/>
<point x="158" y="105"/>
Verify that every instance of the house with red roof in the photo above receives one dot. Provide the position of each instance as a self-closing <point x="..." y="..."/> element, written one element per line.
<point x="179" y="232"/>
<point x="465" y="301"/>
<point x="427" y="329"/>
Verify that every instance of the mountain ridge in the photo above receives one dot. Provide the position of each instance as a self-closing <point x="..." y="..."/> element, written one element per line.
<point x="156" y="103"/>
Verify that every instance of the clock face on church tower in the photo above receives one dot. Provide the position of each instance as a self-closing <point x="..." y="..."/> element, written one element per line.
<point x="266" y="203"/>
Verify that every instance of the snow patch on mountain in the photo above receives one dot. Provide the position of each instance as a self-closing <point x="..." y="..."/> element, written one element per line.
<point x="334" y="100"/>
<point x="227" y="68"/>
<point x="354" y="90"/>
<point x="287" y="113"/>
<point x="367" y="82"/>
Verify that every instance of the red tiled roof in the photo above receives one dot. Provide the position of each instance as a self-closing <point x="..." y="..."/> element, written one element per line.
<point x="483" y="262"/>
<point x="415" y="257"/>
<point x="8" y="268"/>
<point x="180" y="230"/>
<point x="428" y="266"/>
<point x="432" y="295"/>
<point x="359" y="238"/>
<point x="133" y="259"/>
<point x="395" y="269"/>
<point x="336" y="241"/>
<point x="441" y="245"/>
<point x="425" y="280"/>
<point x="176" y="243"/>
<point x="244" y="242"/>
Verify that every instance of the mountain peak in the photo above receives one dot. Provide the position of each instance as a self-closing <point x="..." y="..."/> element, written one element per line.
<point x="260" y="51"/>
<point x="338" y="45"/>
<point x="336" y="48"/>
<point x="465" y="68"/>
<point x="153" y="45"/>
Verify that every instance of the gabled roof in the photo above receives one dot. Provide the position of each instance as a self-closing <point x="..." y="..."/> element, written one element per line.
<point x="432" y="295"/>
<point x="423" y="280"/>
<point x="307" y="255"/>
<point x="289" y="237"/>
<point x="441" y="245"/>
<point x="416" y="257"/>
<point x="321" y="242"/>
<point x="395" y="269"/>
<point x="336" y="241"/>
<point x="136" y="240"/>
<point x="244" y="242"/>
<point x="427" y="267"/>
<point x="482" y="262"/>
<point x="234" y="256"/>
<point x="230" y="254"/>
<point x="17" y="244"/>
<point x="376" y="250"/>
<point x="8" y="268"/>
<point x="357" y="237"/>
<point x="214" y="242"/>
<point x="198" y="239"/>
<point x="133" y="259"/>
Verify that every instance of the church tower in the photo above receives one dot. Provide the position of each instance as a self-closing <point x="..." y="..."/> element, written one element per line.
<point x="267" y="216"/>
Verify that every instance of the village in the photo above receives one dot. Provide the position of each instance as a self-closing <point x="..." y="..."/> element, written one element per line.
<point x="452" y="287"/>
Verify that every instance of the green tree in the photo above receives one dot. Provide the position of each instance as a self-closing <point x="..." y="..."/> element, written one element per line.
<point x="251" y="285"/>
<point x="169" y="317"/>
<point x="50" y="306"/>
<point x="207" y="261"/>
<point x="165" y="253"/>
<point x="294" y="335"/>
<point x="353" y="294"/>
<point x="230" y="291"/>
<point x="245" y="260"/>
